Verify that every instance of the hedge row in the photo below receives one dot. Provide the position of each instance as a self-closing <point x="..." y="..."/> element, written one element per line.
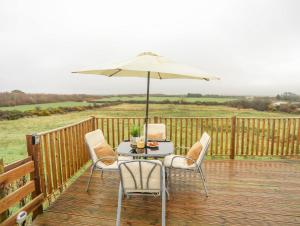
<point x="15" y="114"/>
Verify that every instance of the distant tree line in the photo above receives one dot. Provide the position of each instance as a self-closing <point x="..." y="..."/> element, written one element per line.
<point x="17" y="97"/>
<point x="16" y="114"/>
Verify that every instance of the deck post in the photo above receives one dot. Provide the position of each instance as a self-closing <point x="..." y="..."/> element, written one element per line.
<point x="233" y="132"/>
<point x="34" y="150"/>
<point x="94" y="123"/>
<point x="155" y="119"/>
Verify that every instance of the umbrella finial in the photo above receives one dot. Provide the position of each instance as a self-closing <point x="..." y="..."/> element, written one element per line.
<point x="147" y="54"/>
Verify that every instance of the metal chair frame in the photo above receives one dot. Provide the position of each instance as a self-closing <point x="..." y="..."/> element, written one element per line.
<point x="162" y="192"/>
<point x="197" y="168"/>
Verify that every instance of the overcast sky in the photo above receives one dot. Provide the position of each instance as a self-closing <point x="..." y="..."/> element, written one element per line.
<point x="254" y="45"/>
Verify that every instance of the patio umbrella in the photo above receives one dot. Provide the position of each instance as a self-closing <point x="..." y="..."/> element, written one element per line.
<point x="151" y="65"/>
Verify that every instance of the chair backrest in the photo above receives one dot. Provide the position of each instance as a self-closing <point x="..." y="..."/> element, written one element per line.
<point x="204" y="141"/>
<point x="154" y="130"/>
<point x="92" y="139"/>
<point x="141" y="176"/>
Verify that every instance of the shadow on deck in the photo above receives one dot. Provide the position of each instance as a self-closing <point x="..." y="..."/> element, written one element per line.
<point x="240" y="193"/>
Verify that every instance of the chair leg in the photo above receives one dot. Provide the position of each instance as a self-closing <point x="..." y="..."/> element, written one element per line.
<point x="202" y="173"/>
<point x="118" y="223"/>
<point x="91" y="174"/>
<point x="203" y="181"/>
<point x="163" y="207"/>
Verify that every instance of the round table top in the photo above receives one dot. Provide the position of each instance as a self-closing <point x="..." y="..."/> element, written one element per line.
<point x="165" y="148"/>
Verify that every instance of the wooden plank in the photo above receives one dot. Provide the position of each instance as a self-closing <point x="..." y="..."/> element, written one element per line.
<point x="217" y="137"/>
<point x="278" y="136"/>
<point x="262" y="149"/>
<point x="113" y="132"/>
<point x="293" y="136"/>
<point x="53" y="162"/>
<point x="108" y="131"/>
<point x="14" y="197"/>
<point x="17" y="163"/>
<point x="243" y="136"/>
<point x="180" y="135"/>
<point x="238" y="129"/>
<point x="211" y="150"/>
<point x="176" y="128"/>
<point x="226" y="138"/>
<point x="273" y="136"/>
<point x="123" y="129"/>
<point x="75" y="151"/>
<point x="268" y="137"/>
<point x="257" y="136"/>
<point x="71" y="153"/>
<point x="67" y="151"/>
<point x="248" y="137"/>
<point x="191" y="131"/>
<point x="186" y="132"/>
<point x="233" y="134"/>
<point x="58" y="158"/>
<point x="63" y="156"/>
<point x="221" y="139"/>
<point x="16" y="173"/>
<point x="171" y="129"/>
<point x="197" y="129"/>
<point x="30" y="207"/>
<point x="48" y="183"/>
<point x="298" y="139"/>
<point x="288" y="137"/>
<point x="253" y="137"/>
<point x="283" y="138"/>
<point x="119" y="132"/>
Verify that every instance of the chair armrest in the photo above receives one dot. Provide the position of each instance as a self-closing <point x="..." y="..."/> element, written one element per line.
<point x="106" y="157"/>
<point x="184" y="157"/>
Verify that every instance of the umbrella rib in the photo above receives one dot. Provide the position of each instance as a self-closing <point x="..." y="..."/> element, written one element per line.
<point x="159" y="75"/>
<point x="118" y="70"/>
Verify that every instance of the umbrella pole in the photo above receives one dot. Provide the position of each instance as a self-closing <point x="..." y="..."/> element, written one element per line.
<point x="147" y="110"/>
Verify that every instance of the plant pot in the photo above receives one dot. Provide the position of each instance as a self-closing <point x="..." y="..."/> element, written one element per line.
<point x="133" y="140"/>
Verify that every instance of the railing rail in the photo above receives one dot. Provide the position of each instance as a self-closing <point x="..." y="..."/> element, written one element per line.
<point x="26" y="194"/>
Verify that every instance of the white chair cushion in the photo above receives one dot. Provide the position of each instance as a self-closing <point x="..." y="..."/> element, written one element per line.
<point x="178" y="162"/>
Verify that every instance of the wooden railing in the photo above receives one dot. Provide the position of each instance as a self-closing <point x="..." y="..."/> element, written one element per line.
<point x="231" y="136"/>
<point x="13" y="193"/>
<point x="61" y="153"/>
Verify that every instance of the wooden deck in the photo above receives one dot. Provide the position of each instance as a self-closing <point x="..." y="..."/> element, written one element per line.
<point x="240" y="193"/>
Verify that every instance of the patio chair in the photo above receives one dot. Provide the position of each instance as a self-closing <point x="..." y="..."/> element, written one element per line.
<point x="180" y="162"/>
<point x="142" y="177"/>
<point x="92" y="140"/>
<point x="156" y="132"/>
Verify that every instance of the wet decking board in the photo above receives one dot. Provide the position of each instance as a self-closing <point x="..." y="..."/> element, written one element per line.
<point x="240" y="193"/>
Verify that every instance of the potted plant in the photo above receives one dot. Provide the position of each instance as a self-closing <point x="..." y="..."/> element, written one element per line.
<point x="134" y="134"/>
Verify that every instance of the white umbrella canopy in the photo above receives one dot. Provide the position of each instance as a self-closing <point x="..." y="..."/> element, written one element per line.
<point x="151" y="65"/>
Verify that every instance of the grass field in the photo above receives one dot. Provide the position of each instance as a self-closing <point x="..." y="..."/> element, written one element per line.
<point x="173" y="98"/>
<point x="12" y="133"/>
<point x="45" y="106"/>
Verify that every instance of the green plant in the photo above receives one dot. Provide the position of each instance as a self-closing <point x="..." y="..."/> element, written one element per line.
<point x="135" y="131"/>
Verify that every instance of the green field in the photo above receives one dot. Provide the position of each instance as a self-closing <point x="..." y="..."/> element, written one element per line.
<point x="171" y="98"/>
<point x="12" y="133"/>
<point x="28" y="107"/>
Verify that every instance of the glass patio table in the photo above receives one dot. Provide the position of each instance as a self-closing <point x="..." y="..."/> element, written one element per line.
<point x="164" y="148"/>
